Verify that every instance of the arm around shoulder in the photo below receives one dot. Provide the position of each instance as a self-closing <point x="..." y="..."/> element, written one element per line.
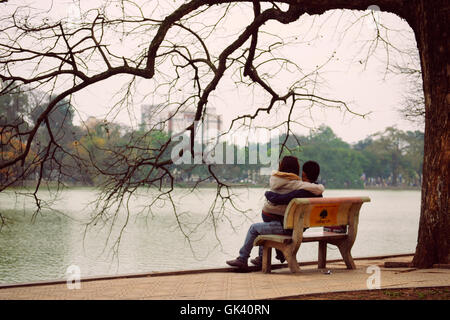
<point x="315" y="188"/>
<point x="283" y="199"/>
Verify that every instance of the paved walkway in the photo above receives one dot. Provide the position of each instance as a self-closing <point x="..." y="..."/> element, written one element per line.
<point x="220" y="284"/>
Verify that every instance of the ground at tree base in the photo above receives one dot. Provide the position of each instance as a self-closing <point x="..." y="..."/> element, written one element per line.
<point x="430" y="293"/>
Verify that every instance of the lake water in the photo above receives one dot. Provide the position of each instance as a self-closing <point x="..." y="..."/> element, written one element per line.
<point x="43" y="247"/>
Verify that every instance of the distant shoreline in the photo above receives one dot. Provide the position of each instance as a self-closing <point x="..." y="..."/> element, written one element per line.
<point x="187" y="185"/>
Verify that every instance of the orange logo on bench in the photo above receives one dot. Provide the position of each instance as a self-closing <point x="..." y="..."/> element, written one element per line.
<point x="323" y="215"/>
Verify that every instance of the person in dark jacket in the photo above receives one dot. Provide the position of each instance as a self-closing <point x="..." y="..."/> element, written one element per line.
<point x="310" y="173"/>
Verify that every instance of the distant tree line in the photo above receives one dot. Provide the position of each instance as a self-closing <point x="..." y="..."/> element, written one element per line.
<point x="389" y="158"/>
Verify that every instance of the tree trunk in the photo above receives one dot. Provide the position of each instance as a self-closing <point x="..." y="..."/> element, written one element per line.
<point x="429" y="19"/>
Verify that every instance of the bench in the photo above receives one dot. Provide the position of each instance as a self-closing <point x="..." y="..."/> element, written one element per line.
<point x="314" y="212"/>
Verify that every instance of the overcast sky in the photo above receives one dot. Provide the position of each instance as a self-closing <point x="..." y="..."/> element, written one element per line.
<point x="363" y="84"/>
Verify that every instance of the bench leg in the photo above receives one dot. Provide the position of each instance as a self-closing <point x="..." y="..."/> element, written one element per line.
<point x="267" y="259"/>
<point x="322" y="254"/>
<point x="346" y="255"/>
<point x="292" y="262"/>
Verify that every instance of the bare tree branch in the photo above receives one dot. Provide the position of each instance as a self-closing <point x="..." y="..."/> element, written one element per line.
<point x="178" y="59"/>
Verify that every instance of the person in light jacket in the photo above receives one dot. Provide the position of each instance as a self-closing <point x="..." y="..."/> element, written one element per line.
<point x="284" y="182"/>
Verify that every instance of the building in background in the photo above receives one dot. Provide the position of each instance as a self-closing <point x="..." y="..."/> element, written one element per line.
<point x="92" y="122"/>
<point x="152" y="117"/>
<point x="158" y="117"/>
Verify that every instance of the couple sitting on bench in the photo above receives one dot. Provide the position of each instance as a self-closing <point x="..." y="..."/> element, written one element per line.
<point x="285" y="185"/>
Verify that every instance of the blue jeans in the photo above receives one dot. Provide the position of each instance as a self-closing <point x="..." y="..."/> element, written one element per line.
<point x="256" y="229"/>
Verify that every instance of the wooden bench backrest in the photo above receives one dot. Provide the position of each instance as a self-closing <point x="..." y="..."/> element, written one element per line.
<point x="316" y="212"/>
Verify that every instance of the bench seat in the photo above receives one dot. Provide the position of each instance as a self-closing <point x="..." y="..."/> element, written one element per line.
<point x="308" y="237"/>
<point x="323" y="236"/>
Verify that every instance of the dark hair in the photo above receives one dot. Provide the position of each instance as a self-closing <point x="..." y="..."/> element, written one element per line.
<point x="312" y="170"/>
<point x="289" y="164"/>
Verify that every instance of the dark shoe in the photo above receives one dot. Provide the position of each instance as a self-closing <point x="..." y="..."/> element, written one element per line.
<point x="281" y="258"/>
<point x="238" y="262"/>
<point x="257" y="261"/>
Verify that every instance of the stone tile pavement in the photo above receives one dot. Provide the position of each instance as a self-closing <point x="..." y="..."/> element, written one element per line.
<point x="221" y="284"/>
